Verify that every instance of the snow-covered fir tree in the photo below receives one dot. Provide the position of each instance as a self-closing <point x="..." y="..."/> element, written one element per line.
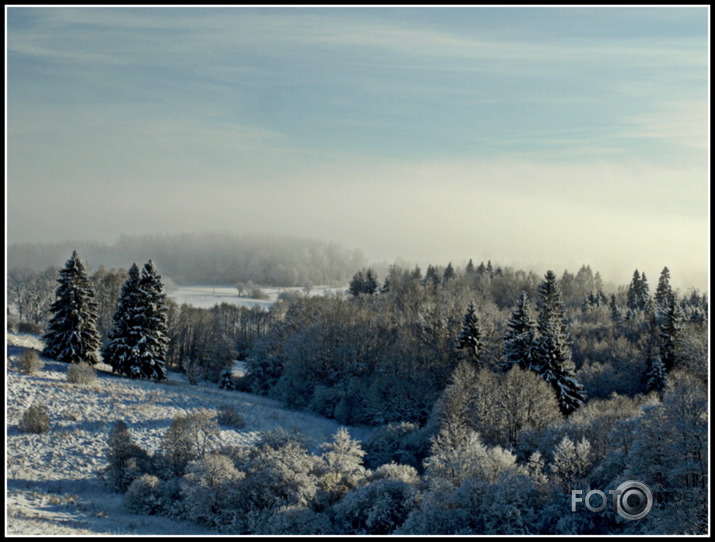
<point x="153" y="349"/>
<point x="520" y="337"/>
<point x="449" y="273"/>
<point x="656" y="379"/>
<point x="638" y="295"/>
<point x="125" y="332"/>
<point x="663" y="291"/>
<point x="552" y="352"/>
<point x="671" y="326"/>
<point x="72" y="334"/>
<point x="470" y="341"/>
<point x="138" y="340"/>
<point x="364" y="282"/>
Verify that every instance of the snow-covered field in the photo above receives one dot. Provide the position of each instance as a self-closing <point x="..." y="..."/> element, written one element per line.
<point x="205" y="297"/>
<point x="52" y="482"/>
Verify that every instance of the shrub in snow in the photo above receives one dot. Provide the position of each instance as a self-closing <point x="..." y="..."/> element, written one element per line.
<point x="188" y="438"/>
<point x="275" y="478"/>
<point x="81" y="373"/>
<point x="226" y="380"/>
<point x="35" y="419"/>
<point x="29" y="362"/>
<point x="144" y="495"/>
<point x="127" y="461"/>
<point x="229" y="416"/>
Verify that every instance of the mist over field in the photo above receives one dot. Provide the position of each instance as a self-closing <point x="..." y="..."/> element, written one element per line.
<point x="535" y="138"/>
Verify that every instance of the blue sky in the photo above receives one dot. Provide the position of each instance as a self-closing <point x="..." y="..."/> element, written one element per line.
<point x="539" y="137"/>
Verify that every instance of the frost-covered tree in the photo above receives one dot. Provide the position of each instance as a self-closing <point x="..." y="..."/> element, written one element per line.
<point x="470" y="342"/>
<point x="521" y="334"/>
<point x="457" y="456"/>
<point x="572" y="461"/>
<point x="72" y="334"/>
<point x="553" y="350"/>
<point x="138" y="341"/>
<point x="344" y="470"/>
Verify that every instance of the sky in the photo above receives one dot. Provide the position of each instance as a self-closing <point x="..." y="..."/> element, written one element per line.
<point x="540" y="138"/>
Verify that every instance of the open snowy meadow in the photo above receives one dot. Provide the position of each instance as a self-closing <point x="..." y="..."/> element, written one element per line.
<point x="206" y="296"/>
<point x="53" y="480"/>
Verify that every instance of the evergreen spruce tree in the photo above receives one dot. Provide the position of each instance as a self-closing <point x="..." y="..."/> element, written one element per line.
<point x="72" y="334"/>
<point x="126" y="331"/>
<point x="469" y="271"/>
<point x="671" y="326"/>
<point x="552" y="359"/>
<point x="663" y="292"/>
<point x="152" y="350"/>
<point x="449" y="273"/>
<point x="655" y="377"/>
<point x="632" y="297"/>
<point x="644" y="301"/>
<point x="521" y="335"/>
<point x="470" y="342"/>
<point x="363" y="282"/>
<point x="138" y="340"/>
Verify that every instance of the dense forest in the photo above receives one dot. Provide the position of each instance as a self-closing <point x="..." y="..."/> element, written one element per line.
<point x="494" y="394"/>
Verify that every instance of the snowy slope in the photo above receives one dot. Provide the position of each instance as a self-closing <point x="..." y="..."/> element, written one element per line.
<point x="52" y="482"/>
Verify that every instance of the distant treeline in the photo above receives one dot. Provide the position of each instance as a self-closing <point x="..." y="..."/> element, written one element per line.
<point x="216" y="258"/>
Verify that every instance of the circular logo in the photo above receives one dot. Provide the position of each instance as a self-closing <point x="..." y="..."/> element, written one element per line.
<point x="634" y="500"/>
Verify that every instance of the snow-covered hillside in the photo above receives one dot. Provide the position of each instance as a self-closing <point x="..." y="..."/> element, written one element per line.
<point x="53" y="487"/>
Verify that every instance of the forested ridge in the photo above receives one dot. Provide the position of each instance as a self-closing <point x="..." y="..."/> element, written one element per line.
<point x="494" y="394"/>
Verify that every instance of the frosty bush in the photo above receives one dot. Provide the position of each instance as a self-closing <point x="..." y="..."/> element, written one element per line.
<point x="229" y="416"/>
<point x="209" y="490"/>
<point x="29" y="362"/>
<point x="400" y="473"/>
<point x="297" y="520"/>
<point x="144" y="495"/>
<point x="188" y="438"/>
<point x="35" y="419"/>
<point x="275" y="478"/>
<point x="377" y="508"/>
<point x="81" y="373"/>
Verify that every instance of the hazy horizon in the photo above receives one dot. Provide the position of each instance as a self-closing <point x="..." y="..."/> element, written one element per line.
<point x="532" y="137"/>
